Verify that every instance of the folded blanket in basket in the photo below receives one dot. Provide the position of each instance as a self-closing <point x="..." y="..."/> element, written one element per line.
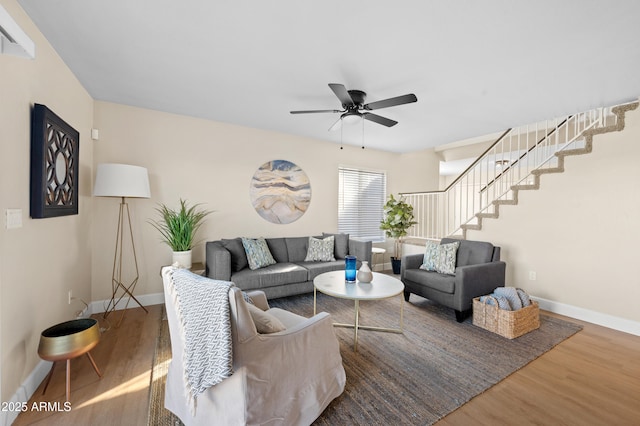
<point x="507" y="298"/>
<point x="492" y="299"/>
<point x="512" y="296"/>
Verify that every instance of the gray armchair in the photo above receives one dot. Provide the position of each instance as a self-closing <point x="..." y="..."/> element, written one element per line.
<point x="478" y="271"/>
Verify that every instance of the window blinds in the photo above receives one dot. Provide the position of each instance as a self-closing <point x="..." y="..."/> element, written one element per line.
<point x="362" y="194"/>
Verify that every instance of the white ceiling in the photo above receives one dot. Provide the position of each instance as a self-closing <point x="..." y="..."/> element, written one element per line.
<point x="477" y="67"/>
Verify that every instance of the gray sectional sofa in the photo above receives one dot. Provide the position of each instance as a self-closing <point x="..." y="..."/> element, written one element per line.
<point x="226" y="260"/>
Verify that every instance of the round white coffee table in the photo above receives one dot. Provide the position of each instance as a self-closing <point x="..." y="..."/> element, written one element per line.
<point x="381" y="287"/>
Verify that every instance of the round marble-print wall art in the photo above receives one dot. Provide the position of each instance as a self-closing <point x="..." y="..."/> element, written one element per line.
<point x="280" y="191"/>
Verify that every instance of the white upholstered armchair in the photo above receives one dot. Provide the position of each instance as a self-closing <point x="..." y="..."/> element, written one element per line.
<point x="286" y="377"/>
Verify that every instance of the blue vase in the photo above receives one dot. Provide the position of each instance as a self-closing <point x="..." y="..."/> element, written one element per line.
<point x="350" y="269"/>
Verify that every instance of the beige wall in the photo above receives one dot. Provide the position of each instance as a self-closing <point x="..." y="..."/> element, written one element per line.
<point x="212" y="163"/>
<point x="43" y="260"/>
<point x="580" y="231"/>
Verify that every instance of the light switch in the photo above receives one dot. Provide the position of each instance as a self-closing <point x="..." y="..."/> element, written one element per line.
<point x="14" y="218"/>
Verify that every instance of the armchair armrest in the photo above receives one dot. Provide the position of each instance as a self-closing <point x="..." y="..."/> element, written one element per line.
<point x="218" y="262"/>
<point x="259" y="299"/>
<point x="477" y="280"/>
<point x="361" y="249"/>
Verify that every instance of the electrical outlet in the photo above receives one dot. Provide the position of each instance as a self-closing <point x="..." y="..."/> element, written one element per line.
<point x="532" y="275"/>
<point x="70" y="296"/>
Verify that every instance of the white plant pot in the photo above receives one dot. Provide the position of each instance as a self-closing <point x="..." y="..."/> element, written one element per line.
<point x="182" y="258"/>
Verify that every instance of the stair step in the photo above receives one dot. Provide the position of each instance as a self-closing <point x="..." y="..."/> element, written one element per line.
<point x="525" y="187"/>
<point x="471" y="227"/>
<point x="548" y="171"/>
<point x="488" y="215"/>
<point x="505" y="202"/>
<point x="575" y="151"/>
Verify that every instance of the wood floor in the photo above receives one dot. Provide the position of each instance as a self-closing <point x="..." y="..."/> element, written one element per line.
<point x="592" y="378"/>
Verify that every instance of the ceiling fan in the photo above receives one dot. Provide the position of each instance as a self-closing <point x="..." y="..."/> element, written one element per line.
<point x="353" y="105"/>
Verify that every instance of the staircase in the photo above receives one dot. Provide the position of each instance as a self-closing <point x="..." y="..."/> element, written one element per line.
<point x="513" y="163"/>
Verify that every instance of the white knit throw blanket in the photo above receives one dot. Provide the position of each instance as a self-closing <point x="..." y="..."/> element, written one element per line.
<point x="203" y="312"/>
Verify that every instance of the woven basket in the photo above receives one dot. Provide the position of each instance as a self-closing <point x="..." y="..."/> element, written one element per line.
<point x="509" y="324"/>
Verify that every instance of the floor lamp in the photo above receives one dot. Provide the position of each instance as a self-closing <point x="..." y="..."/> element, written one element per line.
<point x="122" y="181"/>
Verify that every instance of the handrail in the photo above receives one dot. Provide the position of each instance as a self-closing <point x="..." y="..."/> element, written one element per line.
<point x="534" y="146"/>
<point x="461" y="175"/>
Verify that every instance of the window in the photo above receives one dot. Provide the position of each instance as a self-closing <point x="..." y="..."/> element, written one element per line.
<point x="362" y="194"/>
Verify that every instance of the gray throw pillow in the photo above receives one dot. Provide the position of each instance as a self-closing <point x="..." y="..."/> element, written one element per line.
<point x="238" y="255"/>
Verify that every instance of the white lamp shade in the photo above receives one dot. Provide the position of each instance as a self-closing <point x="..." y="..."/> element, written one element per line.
<point x="121" y="180"/>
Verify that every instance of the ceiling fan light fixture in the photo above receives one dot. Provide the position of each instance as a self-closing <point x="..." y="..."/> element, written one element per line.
<point x="351" y="118"/>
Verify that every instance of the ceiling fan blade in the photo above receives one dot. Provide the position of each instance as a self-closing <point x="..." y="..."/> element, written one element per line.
<point x="342" y="94"/>
<point x="315" y="111"/>
<point x="379" y="119"/>
<point x="398" y="100"/>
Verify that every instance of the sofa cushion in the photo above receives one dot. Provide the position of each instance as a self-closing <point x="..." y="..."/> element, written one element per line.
<point x="258" y="254"/>
<point x="238" y="255"/>
<point x="297" y="248"/>
<point x="320" y="250"/>
<point x="435" y="280"/>
<point x="265" y="322"/>
<point x="270" y="276"/>
<point x="472" y="252"/>
<point x="278" y="249"/>
<point x="341" y="244"/>
<point x="317" y="268"/>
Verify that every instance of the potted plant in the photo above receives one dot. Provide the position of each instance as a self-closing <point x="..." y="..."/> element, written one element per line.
<point x="398" y="218"/>
<point x="178" y="228"/>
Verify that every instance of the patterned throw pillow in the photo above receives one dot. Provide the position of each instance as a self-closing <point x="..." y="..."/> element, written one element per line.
<point x="320" y="250"/>
<point x="447" y="258"/>
<point x="430" y="259"/>
<point x="258" y="254"/>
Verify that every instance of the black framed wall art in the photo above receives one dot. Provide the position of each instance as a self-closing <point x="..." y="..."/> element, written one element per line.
<point x="54" y="165"/>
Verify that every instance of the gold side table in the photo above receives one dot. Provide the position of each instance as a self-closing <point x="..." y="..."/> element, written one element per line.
<point x="66" y="341"/>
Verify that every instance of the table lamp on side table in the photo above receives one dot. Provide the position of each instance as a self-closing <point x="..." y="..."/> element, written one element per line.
<point x="122" y="181"/>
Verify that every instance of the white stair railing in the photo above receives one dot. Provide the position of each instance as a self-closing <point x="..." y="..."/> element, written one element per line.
<point x="510" y="162"/>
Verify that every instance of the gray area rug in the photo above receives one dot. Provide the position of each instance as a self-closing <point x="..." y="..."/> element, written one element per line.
<point x="416" y="377"/>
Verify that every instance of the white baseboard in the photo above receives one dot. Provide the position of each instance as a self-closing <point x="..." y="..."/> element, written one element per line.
<point x="26" y="390"/>
<point x="605" y="320"/>
<point x="100" y="306"/>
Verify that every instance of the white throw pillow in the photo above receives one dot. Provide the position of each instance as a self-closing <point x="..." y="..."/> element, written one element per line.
<point x="320" y="250"/>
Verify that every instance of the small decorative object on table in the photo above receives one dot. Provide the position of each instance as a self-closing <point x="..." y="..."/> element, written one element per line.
<point x="350" y="269"/>
<point x="364" y="273"/>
